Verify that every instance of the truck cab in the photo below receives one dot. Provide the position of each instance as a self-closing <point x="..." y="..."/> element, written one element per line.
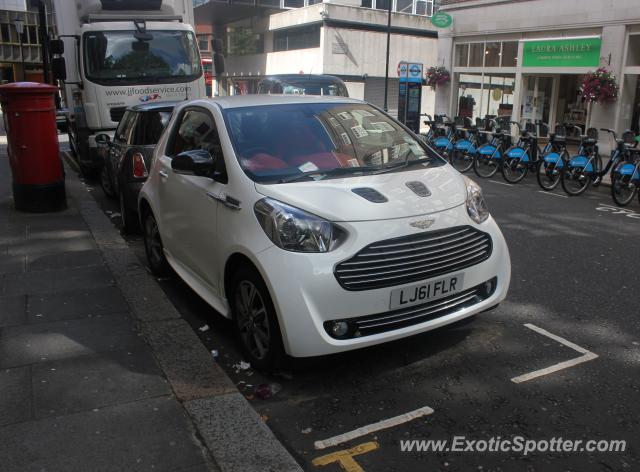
<point x="119" y="54"/>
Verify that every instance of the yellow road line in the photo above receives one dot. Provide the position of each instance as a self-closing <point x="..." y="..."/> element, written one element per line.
<point x="346" y="457"/>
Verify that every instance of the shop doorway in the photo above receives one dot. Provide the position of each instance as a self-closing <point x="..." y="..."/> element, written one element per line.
<point x="538" y="98"/>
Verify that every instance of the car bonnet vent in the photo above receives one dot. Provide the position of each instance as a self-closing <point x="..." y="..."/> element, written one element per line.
<point x="370" y="194"/>
<point x="419" y="188"/>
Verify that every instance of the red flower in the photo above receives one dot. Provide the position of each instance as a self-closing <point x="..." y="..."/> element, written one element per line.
<point x="599" y="87"/>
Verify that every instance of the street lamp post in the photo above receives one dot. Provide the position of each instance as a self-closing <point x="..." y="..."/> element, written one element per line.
<point x="386" y="68"/>
<point x="19" y="23"/>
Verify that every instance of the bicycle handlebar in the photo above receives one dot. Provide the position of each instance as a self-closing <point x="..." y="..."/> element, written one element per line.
<point x="608" y="130"/>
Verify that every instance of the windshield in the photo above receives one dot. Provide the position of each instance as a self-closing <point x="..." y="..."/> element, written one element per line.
<point x="116" y="57"/>
<point x="276" y="143"/>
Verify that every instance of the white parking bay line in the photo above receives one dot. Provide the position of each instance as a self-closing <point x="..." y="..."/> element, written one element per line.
<point x="551" y="193"/>
<point x="372" y="428"/>
<point x="501" y="183"/>
<point x="585" y="357"/>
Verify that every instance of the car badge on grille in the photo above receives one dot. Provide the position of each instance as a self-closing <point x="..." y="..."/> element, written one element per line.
<point x="422" y="224"/>
<point x="419" y="188"/>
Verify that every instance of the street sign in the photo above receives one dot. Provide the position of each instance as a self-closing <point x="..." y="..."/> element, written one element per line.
<point x="402" y="69"/>
<point x="441" y="20"/>
<point x="410" y="72"/>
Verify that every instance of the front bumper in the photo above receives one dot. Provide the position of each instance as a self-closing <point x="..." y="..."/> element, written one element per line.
<point x="306" y="293"/>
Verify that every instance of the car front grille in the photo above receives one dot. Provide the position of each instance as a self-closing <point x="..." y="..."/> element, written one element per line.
<point x="413" y="258"/>
<point x="400" y="318"/>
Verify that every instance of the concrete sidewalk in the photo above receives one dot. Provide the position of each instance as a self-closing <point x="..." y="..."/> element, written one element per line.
<point x="98" y="371"/>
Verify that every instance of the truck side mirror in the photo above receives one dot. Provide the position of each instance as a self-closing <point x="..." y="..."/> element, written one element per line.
<point x="56" y="46"/>
<point x="218" y="57"/>
<point x="59" y="68"/>
<point x="103" y="139"/>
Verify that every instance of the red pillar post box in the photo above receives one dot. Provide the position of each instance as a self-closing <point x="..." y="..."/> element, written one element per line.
<point x="30" y="121"/>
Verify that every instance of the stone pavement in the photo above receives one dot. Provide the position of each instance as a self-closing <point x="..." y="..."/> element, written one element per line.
<point x="98" y="371"/>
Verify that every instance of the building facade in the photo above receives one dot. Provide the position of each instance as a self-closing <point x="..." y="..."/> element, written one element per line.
<point x="21" y="57"/>
<point x="345" y="39"/>
<point x="526" y="59"/>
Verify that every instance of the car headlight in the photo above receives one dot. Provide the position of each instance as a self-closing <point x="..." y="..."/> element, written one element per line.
<point x="296" y="230"/>
<point x="476" y="204"/>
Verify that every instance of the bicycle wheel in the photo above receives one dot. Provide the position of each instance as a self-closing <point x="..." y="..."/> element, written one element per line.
<point x="549" y="172"/>
<point x="514" y="169"/>
<point x="486" y="165"/>
<point x="575" y="181"/>
<point x="622" y="189"/>
<point x="462" y="161"/>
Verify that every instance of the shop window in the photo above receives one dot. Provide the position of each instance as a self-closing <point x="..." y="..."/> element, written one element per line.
<point x="509" y="54"/>
<point x="492" y="55"/>
<point x="476" y="55"/>
<point x="469" y="95"/>
<point x="462" y="55"/>
<point x="633" y="58"/>
<point x="497" y="97"/>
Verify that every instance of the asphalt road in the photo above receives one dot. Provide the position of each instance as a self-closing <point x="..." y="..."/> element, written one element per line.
<point x="576" y="266"/>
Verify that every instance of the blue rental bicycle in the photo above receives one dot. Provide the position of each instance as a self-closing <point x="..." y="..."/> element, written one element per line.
<point x="553" y="159"/>
<point x="625" y="177"/>
<point x="585" y="168"/>
<point x="464" y="145"/>
<point x="488" y="156"/>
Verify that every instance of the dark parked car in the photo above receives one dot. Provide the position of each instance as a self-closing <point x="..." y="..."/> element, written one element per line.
<point x="128" y="155"/>
<point x="303" y="84"/>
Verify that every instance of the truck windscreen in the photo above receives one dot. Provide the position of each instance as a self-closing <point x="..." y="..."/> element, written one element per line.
<point x="118" y="58"/>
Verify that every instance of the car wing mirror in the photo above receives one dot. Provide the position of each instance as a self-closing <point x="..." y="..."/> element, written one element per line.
<point x="103" y="139"/>
<point x="196" y="162"/>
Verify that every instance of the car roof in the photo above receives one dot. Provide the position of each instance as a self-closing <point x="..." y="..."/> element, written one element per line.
<point x="154" y="106"/>
<point x="241" y="101"/>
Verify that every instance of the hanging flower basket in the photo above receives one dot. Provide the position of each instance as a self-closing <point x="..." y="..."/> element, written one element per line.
<point x="437" y="76"/>
<point x="599" y="87"/>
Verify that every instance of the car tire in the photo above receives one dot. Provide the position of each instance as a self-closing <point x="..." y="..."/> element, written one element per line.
<point x="255" y="321"/>
<point x="130" y="221"/>
<point x="153" y="246"/>
<point x="106" y="183"/>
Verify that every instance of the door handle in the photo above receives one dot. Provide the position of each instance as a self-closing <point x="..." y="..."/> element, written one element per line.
<point x="226" y="200"/>
<point x="164" y="174"/>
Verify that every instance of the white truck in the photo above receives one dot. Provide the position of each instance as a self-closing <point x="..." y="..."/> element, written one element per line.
<point x="112" y="54"/>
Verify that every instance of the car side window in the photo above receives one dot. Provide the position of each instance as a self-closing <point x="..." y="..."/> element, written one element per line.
<point x="150" y="127"/>
<point x="123" y="132"/>
<point x="196" y="130"/>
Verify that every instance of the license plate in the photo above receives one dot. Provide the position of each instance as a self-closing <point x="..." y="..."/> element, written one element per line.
<point x="424" y="292"/>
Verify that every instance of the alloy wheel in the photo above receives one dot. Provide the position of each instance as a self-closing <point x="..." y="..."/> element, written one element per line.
<point x="252" y="319"/>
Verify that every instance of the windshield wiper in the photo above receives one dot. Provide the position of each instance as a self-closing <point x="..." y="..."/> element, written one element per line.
<point x="324" y="173"/>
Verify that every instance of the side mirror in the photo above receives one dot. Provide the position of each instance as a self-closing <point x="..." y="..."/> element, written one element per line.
<point x="56" y="46"/>
<point x="103" y="139"/>
<point x="59" y="68"/>
<point x="196" y="162"/>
